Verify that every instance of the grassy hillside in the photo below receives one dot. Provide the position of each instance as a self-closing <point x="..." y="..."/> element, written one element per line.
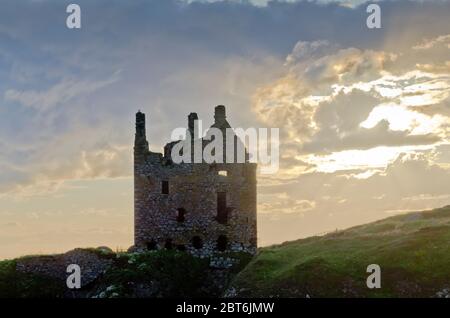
<point x="413" y="251"/>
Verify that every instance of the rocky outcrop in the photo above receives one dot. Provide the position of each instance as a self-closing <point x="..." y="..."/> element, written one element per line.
<point x="105" y="274"/>
<point x="92" y="262"/>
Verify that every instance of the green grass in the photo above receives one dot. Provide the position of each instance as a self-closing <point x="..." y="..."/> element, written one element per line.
<point x="413" y="251"/>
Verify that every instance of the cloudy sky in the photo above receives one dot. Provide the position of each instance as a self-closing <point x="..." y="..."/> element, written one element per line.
<point x="364" y="114"/>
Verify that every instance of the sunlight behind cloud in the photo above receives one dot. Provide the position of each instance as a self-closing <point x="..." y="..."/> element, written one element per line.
<point x="379" y="157"/>
<point x="401" y="118"/>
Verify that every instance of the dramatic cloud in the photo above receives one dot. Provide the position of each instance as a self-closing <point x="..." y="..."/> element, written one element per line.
<point x="333" y="99"/>
<point x="375" y="123"/>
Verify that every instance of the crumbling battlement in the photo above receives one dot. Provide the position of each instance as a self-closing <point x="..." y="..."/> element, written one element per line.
<point x="198" y="207"/>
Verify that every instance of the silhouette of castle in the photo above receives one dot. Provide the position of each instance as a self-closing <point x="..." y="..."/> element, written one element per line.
<point x="202" y="208"/>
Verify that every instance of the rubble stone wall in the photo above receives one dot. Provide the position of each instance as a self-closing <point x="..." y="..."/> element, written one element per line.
<point x="193" y="190"/>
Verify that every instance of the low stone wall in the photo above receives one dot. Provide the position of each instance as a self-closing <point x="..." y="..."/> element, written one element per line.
<point x="91" y="263"/>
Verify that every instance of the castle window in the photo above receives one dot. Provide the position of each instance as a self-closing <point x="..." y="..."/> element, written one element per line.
<point x="168" y="244"/>
<point x="151" y="245"/>
<point x="222" y="243"/>
<point x="180" y="215"/>
<point x="222" y="215"/>
<point x="197" y="242"/>
<point x="223" y="173"/>
<point x="165" y="187"/>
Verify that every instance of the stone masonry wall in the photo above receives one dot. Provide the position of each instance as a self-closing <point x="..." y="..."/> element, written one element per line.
<point x="193" y="187"/>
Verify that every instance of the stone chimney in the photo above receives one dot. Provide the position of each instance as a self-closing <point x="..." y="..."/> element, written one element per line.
<point x="191" y="123"/>
<point x="140" y="139"/>
<point x="219" y="115"/>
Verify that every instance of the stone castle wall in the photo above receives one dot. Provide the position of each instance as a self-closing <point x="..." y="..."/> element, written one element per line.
<point x="188" y="217"/>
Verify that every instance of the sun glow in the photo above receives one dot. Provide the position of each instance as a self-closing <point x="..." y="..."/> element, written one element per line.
<point x="401" y="118"/>
<point x="370" y="159"/>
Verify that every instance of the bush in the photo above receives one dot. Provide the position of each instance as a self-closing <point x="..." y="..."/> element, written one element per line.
<point x="178" y="274"/>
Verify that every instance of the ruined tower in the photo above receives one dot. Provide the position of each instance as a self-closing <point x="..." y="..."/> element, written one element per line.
<point x="203" y="208"/>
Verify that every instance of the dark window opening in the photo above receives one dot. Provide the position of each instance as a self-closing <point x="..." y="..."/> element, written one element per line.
<point x="180" y="215"/>
<point x="222" y="213"/>
<point x="151" y="245"/>
<point x="181" y="247"/>
<point x="197" y="242"/>
<point x="168" y="244"/>
<point x="165" y="187"/>
<point x="222" y="243"/>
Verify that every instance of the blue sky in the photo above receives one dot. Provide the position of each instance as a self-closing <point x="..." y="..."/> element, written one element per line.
<point x="379" y="122"/>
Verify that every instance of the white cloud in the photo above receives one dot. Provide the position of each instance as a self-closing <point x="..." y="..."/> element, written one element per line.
<point x="47" y="175"/>
<point x="332" y="99"/>
<point x="60" y="93"/>
<point x="431" y="43"/>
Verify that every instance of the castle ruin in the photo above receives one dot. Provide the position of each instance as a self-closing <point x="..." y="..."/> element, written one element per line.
<point x="202" y="208"/>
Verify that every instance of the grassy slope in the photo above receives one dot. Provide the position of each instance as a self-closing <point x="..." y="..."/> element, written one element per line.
<point x="413" y="251"/>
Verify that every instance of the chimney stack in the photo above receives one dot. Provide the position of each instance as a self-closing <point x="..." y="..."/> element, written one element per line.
<point x="140" y="125"/>
<point x="140" y="139"/>
<point x="219" y="113"/>
<point x="191" y="123"/>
